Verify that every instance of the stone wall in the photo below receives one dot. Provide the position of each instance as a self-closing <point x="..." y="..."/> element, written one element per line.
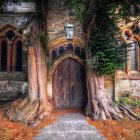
<point x="108" y="85"/>
<point x="128" y="87"/>
<point x="10" y="18"/>
<point x="123" y="87"/>
<point x="11" y="82"/>
<point x="10" y="90"/>
<point x="11" y="86"/>
<point x="58" y="15"/>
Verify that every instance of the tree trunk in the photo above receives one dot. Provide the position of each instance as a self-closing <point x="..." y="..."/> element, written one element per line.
<point x="98" y="106"/>
<point x="32" y="74"/>
<point x="46" y="105"/>
<point x="37" y="104"/>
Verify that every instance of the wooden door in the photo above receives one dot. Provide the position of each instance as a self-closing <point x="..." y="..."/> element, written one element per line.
<point x="69" y="84"/>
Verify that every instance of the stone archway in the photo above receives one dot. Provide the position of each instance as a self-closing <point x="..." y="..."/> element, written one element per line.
<point x="69" y="84"/>
<point x="53" y="62"/>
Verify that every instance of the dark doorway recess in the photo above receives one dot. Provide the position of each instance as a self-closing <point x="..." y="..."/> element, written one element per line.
<point x="69" y="85"/>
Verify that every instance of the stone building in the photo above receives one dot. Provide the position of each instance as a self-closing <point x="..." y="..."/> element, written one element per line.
<point x="66" y="66"/>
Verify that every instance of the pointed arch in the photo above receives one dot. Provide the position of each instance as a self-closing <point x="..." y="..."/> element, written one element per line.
<point x="61" y="58"/>
<point x="61" y="40"/>
<point x="56" y="63"/>
<point x="17" y="54"/>
<point x="11" y="35"/>
<point x="133" y="58"/>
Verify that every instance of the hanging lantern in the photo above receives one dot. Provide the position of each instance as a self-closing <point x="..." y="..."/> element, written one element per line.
<point x="69" y="29"/>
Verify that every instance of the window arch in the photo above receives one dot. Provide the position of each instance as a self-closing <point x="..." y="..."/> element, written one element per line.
<point x="61" y="50"/>
<point x="54" y="54"/>
<point x="10" y="49"/>
<point x="70" y="47"/>
<point x="132" y="62"/>
<point x="19" y="56"/>
<point x="10" y="34"/>
<point x="3" y="56"/>
<point x="16" y="57"/>
<point x="133" y="56"/>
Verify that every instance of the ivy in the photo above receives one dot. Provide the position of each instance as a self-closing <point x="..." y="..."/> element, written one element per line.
<point x="102" y="16"/>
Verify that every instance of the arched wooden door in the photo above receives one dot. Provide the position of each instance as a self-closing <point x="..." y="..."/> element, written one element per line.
<point x="69" y="84"/>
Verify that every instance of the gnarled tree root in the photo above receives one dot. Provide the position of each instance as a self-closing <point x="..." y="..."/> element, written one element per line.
<point x="99" y="107"/>
<point x="28" y="112"/>
<point x="108" y="110"/>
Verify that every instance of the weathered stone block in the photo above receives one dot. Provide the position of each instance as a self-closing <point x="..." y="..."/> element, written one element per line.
<point x="8" y="96"/>
<point x="15" y="86"/>
<point x="3" y="85"/>
<point x="24" y="87"/>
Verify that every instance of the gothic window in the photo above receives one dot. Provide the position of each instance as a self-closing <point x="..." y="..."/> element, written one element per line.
<point x="77" y="50"/>
<point x="19" y="56"/>
<point x="61" y="50"/>
<point x="133" y="56"/>
<point x="132" y="61"/>
<point x="70" y="47"/>
<point x="54" y="54"/>
<point x="10" y="34"/>
<point x="3" y="56"/>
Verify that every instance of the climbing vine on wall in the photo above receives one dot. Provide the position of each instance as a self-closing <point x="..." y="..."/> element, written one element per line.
<point x="107" y="53"/>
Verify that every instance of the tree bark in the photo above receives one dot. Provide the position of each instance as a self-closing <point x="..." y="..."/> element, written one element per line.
<point x="98" y="106"/>
<point x="37" y="105"/>
<point x="46" y="105"/>
<point x="32" y="74"/>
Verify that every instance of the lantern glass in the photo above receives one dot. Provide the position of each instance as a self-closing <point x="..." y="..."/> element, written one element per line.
<point x="69" y="29"/>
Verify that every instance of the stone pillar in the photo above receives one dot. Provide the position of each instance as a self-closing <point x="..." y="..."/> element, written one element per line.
<point x="14" y="56"/>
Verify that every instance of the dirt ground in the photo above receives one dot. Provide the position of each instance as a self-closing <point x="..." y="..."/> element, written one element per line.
<point x="125" y="129"/>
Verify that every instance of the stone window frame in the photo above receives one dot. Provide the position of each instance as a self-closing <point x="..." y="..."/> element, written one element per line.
<point x="128" y="38"/>
<point x="11" y="53"/>
<point x="128" y="62"/>
<point x="14" y="59"/>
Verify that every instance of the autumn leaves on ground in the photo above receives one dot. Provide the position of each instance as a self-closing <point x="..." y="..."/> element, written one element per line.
<point x="125" y="129"/>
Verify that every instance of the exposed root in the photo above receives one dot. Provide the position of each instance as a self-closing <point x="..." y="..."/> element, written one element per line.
<point x="110" y="110"/>
<point x="128" y="112"/>
<point x="99" y="107"/>
<point x="27" y="112"/>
